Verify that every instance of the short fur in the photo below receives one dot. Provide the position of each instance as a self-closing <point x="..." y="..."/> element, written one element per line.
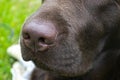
<point x="88" y="47"/>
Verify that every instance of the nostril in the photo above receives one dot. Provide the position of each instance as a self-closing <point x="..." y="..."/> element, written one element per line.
<point x="42" y="40"/>
<point x="26" y="36"/>
<point x="45" y="41"/>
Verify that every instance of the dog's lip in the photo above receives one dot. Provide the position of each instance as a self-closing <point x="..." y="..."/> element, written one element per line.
<point x="26" y="52"/>
<point x="26" y="58"/>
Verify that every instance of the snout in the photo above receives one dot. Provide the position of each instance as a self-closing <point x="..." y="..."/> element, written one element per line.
<point x="39" y="36"/>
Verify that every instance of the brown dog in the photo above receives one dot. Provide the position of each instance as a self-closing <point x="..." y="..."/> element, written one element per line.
<point x="74" y="40"/>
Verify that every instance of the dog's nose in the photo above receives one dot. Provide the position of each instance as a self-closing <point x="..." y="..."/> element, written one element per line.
<point x="42" y="35"/>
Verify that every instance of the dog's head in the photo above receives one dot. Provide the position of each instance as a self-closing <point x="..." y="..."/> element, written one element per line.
<point x="68" y="36"/>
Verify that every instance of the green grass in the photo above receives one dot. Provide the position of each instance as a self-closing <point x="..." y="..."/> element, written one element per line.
<point x="12" y="16"/>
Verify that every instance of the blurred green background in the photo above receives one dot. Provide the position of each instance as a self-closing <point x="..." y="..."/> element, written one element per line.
<point x="12" y="15"/>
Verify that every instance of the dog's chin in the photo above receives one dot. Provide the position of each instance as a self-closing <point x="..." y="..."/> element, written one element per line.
<point x="64" y="71"/>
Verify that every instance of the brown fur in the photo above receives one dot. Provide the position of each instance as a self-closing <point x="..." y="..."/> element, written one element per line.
<point x="88" y="44"/>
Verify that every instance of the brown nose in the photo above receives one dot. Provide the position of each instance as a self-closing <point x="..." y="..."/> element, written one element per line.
<point x="41" y="35"/>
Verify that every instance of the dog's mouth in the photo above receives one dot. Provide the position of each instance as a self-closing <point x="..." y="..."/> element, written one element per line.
<point x="64" y="59"/>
